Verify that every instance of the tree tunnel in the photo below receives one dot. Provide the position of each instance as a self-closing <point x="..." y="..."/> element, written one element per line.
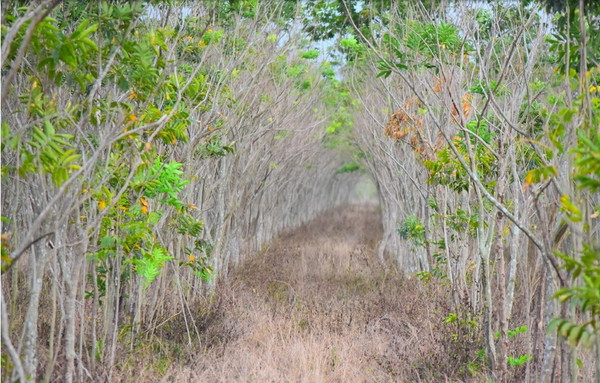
<point x="149" y="148"/>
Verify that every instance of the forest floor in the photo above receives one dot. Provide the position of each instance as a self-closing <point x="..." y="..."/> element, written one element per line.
<point x="315" y="306"/>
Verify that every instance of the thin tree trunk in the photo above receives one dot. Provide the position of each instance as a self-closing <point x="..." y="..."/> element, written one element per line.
<point x="113" y="325"/>
<point x="549" y="353"/>
<point x="484" y="245"/>
<point x="38" y="259"/>
<point x="70" y="264"/>
<point x="51" y="350"/>
<point x="7" y="342"/>
<point x="501" y="264"/>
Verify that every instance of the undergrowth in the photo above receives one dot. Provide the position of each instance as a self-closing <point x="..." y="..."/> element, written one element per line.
<point x="316" y="307"/>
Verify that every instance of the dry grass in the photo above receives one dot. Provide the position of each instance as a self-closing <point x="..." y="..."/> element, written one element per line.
<point x="316" y="307"/>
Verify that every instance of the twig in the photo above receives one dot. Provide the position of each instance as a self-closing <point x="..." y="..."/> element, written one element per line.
<point x="23" y="249"/>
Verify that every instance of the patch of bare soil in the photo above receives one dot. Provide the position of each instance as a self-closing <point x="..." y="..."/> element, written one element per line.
<point x="316" y="306"/>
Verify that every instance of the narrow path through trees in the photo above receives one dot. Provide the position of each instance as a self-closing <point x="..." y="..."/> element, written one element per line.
<point x="315" y="306"/>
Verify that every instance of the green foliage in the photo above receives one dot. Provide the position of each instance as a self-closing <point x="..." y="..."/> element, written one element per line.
<point x="211" y="37"/>
<point x="516" y="331"/>
<point x="129" y="231"/>
<point x="489" y="88"/>
<point x="295" y="71"/>
<point x="540" y="174"/>
<point x="303" y="85"/>
<point x="199" y="260"/>
<point x="583" y="266"/>
<point x="584" y="334"/>
<point x="446" y="170"/>
<point x="352" y="48"/>
<point x="478" y="131"/>
<point x="570" y="209"/>
<point x="348" y="167"/>
<point x="333" y="127"/>
<point x="129" y="225"/>
<point x="50" y="152"/>
<point x="565" y="42"/>
<point x="324" y="18"/>
<point x="161" y="178"/>
<point x="412" y="229"/>
<point x="112" y="86"/>
<point x="70" y="48"/>
<point x="585" y="295"/>
<point x="214" y="148"/>
<point x="327" y="19"/>
<point x="61" y="55"/>
<point x="143" y="66"/>
<point x="227" y="10"/>
<point x="327" y="70"/>
<point x="43" y="149"/>
<point x="559" y="123"/>
<point x="512" y="333"/>
<point x="420" y="45"/>
<point x="519" y="361"/>
<point x="186" y="224"/>
<point x="461" y="222"/>
<point x="148" y="267"/>
<point x="398" y="62"/>
<point x="454" y="318"/>
<point x="310" y="54"/>
<point x="430" y="39"/>
<point x="587" y="160"/>
<point x="450" y="318"/>
<point x="425" y="276"/>
<point x="463" y="330"/>
<point x="283" y="134"/>
<point x="464" y="326"/>
<point x="475" y="366"/>
<point x="484" y="21"/>
<point x="338" y="128"/>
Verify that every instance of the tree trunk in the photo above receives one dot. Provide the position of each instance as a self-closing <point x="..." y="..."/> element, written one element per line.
<point x="38" y="258"/>
<point x="549" y="353"/>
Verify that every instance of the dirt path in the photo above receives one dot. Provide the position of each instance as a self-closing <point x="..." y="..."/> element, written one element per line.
<point x="316" y="307"/>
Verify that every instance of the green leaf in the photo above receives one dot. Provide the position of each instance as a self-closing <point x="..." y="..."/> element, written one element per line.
<point x="540" y="174"/>
<point x="310" y="54"/>
<point x="108" y="242"/>
<point x="576" y="334"/>
<point x="568" y="207"/>
<point x="150" y="265"/>
<point x="348" y="168"/>
<point x="450" y="318"/>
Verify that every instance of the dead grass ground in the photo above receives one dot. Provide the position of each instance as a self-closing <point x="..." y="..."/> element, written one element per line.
<point x="316" y="306"/>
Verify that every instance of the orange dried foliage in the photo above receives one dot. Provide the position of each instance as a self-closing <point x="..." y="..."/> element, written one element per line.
<point x="397" y="127"/>
<point x="404" y="125"/>
<point x="465" y="106"/>
<point x="401" y="123"/>
<point x="439" y="83"/>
